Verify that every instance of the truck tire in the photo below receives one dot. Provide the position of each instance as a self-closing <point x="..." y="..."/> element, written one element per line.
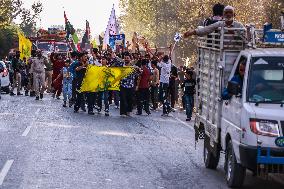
<point x="210" y="160"/>
<point x="235" y="173"/>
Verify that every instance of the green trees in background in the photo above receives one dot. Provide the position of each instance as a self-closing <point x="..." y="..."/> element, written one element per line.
<point x="159" y="20"/>
<point x="8" y="39"/>
<point x="10" y="10"/>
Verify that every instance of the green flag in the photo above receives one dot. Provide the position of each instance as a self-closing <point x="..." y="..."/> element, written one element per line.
<point x="70" y="30"/>
<point x="75" y="38"/>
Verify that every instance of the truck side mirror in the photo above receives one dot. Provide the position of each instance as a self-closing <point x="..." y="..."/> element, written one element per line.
<point x="233" y="88"/>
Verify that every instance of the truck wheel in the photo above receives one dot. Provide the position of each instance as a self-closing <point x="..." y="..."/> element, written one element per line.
<point x="210" y="160"/>
<point x="235" y="173"/>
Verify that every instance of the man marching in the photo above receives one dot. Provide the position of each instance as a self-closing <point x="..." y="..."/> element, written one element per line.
<point x="38" y="71"/>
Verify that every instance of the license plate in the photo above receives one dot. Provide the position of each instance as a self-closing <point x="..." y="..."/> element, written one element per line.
<point x="279" y="141"/>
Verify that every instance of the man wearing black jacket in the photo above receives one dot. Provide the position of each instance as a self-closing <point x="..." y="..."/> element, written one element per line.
<point x="189" y="91"/>
<point x="80" y="70"/>
<point x="16" y="66"/>
<point x="173" y="86"/>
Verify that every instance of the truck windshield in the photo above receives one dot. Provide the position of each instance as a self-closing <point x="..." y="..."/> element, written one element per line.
<point x="62" y="46"/>
<point x="266" y="80"/>
<point x="44" y="46"/>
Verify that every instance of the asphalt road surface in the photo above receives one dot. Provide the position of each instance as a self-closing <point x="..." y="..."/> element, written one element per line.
<point x="44" y="145"/>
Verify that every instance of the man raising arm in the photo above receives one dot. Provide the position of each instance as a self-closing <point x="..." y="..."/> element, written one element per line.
<point x="229" y="22"/>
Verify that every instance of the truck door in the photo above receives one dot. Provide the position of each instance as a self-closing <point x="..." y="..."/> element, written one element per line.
<point x="231" y="110"/>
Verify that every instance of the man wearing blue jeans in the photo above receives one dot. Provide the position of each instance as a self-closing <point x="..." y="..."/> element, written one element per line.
<point x="165" y="66"/>
<point x="104" y="94"/>
<point x="189" y="91"/>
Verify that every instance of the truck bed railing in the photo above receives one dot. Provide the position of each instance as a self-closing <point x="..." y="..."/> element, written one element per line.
<point x="232" y="39"/>
<point x="236" y="39"/>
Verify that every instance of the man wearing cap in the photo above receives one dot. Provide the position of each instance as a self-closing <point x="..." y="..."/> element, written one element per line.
<point x="228" y="22"/>
<point x="38" y="71"/>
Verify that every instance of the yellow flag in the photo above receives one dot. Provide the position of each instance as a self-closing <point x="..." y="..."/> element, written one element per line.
<point x="100" y="78"/>
<point x="25" y="46"/>
<point x="94" y="42"/>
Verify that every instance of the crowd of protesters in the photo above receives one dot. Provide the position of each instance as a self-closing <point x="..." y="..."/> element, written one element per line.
<point x="156" y="82"/>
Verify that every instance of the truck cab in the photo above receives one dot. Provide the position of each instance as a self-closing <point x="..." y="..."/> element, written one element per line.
<point x="239" y="100"/>
<point x="255" y="117"/>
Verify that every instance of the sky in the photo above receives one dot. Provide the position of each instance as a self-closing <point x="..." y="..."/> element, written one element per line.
<point x="97" y="12"/>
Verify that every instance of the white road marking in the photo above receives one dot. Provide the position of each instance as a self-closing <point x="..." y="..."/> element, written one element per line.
<point x="37" y="111"/>
<point x="50" y="124"/>
<point x="12" y="114"/>
<point x="184" y="123"/>
<point x="114" y="133"/>
<point x="37" y="105"/>
<point x="27" y="130"/>
<point x="5" y="170"/>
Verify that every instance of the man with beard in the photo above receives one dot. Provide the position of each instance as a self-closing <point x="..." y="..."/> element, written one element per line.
<point x="74" y="64"/>
<point x="155" y="80"/>
<point x="58" y="63"/>
<point x="143" y="86"/>
<point x="38" y="71"/>
<point x="114" y="61"/>
<point x="127" y="90"/>
<point x="31" y="79"/>
<point x="103" y="95"/>
<point x="48" y="74"/>
<point x="165" y="66"/>
<point x="16" y="66"/>
<point x="80" y="74"/>
<point x="229" y="22"/>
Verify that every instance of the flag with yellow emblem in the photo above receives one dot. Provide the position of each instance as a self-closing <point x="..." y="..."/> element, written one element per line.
<point x="101" y="78"/>
<point x="25" y="46"/>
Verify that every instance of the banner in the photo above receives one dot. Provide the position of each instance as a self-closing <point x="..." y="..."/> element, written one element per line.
<point x="112" y="28"/>
<point x="274" y="37"/>
<point x="100" y="78"/>
<point x="116" y="40"/>
<point x="25" y="46"/>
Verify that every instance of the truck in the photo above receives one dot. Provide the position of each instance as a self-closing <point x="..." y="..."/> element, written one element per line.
<point x="248" y="127"/>
<point x="50" y="40"/>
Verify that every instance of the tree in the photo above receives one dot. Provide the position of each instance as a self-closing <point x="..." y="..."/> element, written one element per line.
<point x="8" y="39"/>
<point x="29" y="18"/>
<point x="11" y="9"/>
<point x="158" y="20"/>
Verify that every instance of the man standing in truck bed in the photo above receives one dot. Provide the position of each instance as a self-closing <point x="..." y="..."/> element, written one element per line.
<point x="228" y="22"/>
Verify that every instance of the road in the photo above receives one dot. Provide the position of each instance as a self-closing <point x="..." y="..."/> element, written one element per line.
<point x="44" y="145"/>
